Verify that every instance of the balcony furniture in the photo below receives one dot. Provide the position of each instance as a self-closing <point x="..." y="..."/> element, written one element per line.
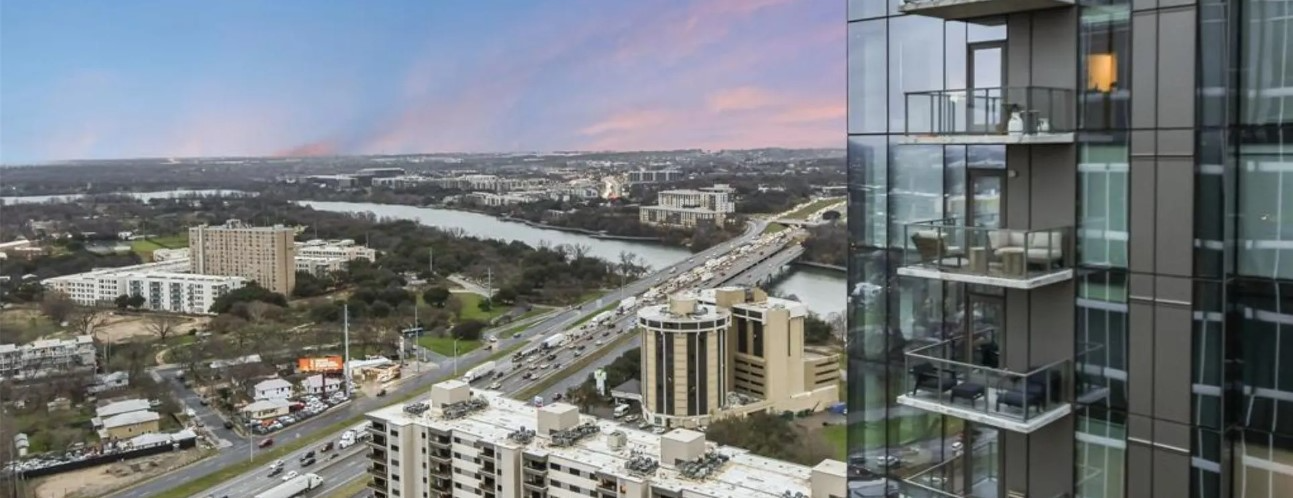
<point x="1033" y="394"/>
<point x="979" y="260"/>
<point x="932" y="378"/>
<point x="969" y="391"/>
<point x="933" y="247"/>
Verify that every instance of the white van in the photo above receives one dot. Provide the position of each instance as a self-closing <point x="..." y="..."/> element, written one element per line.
<point x="621" y="410"/>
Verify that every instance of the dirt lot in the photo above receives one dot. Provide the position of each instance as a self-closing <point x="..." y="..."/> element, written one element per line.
<point x="98" y="481"/>
<point x="120" y="328"/>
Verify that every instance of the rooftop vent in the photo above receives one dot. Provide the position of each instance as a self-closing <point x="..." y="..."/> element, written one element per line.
<point x="704" y="466"/>
<point x="416" y="408"/>
<point x="461" y="409"/>
<point x="521" y="436"/>
<point x="641" y="465"/>
<point x="571" y="436"/>
<point x="793" y="494"/>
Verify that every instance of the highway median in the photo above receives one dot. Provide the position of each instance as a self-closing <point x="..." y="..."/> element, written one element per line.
<point x="575" y="366"/>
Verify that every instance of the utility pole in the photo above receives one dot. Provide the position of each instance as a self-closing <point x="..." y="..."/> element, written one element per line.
<point x="489" y="284"/>
<point x="345" y="340"/>
<point x="430" y="262"/>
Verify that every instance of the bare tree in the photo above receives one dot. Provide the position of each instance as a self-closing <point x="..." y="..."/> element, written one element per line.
<point x="580" y="251"/>
<point x="57" y="306"/>
<point x="85" y="320"/>
<point x="162" y="325"/>
<point x="258" y="311"/>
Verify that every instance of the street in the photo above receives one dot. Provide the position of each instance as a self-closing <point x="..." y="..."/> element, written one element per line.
<point x="239" y="449"/>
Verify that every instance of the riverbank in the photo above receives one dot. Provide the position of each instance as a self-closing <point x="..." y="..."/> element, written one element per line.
<point x="596" y="234"/>
<point x="823" y="266"/>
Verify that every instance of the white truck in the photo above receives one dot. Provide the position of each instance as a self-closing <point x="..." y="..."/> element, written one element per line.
<point x="627" y="304"/>
<point x="480" y="371"/>
<point x="554" y="341"/>
<point x="297" y="486"/>
<point x="603" y="317"/>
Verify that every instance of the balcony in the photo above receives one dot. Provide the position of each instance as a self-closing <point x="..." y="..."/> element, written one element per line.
<point x="1015" y="401"/>
<point x="1001" y="257"/>
<point x="990" y="116"/>
<point x="949" y="479"/>
<point x="960" y="10"/>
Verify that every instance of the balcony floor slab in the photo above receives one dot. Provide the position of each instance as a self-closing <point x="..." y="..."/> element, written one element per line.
<point x="970" y="9"/>
<point x="1032" y="282"/>
<point x="988" y="417"/>
<point x="987" y="139"/>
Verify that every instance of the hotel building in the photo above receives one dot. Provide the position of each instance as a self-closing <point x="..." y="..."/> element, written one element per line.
<point x="265" y="255"/>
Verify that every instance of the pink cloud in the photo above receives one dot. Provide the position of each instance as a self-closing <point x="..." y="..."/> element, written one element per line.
<point x="807" y="113"/>
<point x="740" y="99"/>
<point x="628" y="121"/>
<point x="312" y="149"/>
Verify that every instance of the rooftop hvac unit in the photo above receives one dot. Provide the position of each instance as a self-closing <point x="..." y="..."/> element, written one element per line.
<point x="463" y="408"/>
<point x="521" y="436"/>
<point x="416" y="408"/>
<point x="617" y="440"/>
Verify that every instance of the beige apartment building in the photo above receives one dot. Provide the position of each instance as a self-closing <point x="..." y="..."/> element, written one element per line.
<point x="266" y="255"/>
<point x="687" y="208"/>
<point x="730" y="351"/>
<point x="462" y="443"/>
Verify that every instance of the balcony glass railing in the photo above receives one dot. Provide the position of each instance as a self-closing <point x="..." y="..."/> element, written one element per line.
<point x="971" y="10"/>
<point x="995" y="115"/>
<point x="940" y="380"/>
<point x="1024" y="259"/>
<point x="963" y="476"/>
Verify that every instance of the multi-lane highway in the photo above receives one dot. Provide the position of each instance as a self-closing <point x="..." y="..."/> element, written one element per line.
<point x="514" y="381"/>
<point x="240" y="450"/>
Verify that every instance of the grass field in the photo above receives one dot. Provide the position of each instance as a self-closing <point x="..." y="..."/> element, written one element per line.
<point x="773" y="228"/>
<point x="350" y="489"/>
<point x="444" y="345"/>
<point x="813" y="207"/>
<point x="147" y="246"/>
<point x="471" y="308"/>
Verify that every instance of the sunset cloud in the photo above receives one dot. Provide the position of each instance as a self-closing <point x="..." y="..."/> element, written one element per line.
<point x="740" y="99"/>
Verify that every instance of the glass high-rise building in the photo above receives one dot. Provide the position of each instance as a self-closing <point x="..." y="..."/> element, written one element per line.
<point x="1071" y="265"/>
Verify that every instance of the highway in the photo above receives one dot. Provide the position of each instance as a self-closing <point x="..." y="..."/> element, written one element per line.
<point x="514" y="382"/>
<point x="240" y="449"/>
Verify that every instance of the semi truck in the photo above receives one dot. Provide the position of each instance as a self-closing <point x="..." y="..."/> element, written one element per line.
<point x="480" y="371"/>
<point x="603" y="317"/>
<point x="297" y="486"/>
<point x="554" y="341"/>
<point x="627" y="304"/>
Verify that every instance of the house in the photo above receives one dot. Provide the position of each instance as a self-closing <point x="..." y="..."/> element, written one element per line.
<point x="120" y="407"/>
<point x="271" y="389"/>
<point x="109" y="381"/>
<point x="268" y="408"/>
<point x="321" y="385"/>
<point x="130" y="424"/>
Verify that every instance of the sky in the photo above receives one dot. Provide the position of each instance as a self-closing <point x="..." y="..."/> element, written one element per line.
<point x="88" y="79"/>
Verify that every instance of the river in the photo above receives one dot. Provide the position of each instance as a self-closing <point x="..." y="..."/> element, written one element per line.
<point x="143" y="196"/>
<point x="822" y="290"/>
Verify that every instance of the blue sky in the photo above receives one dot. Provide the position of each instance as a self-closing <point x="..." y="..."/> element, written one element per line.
<point x="95" y="79"/>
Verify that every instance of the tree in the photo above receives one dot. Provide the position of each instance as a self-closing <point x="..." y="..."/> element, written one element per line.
<point x="245" y="294"/>
<point x="308" y="285"/>
<point x="122" y="302"/>
<point x="57" y="306"/>
<point x="379" y="309"/>
<point x="162" y="325"/>
<point x="85" y="320"/>
<point x="136" y="301"/>
<point x="226" y="323"/>
<point x="506" y="295"/>
<point x="436" y="296"/>
<point x="454" y="305"/>
<point x="485" y="305"/>
<point x="468" y="330"/>
<point x="816" y="330"/>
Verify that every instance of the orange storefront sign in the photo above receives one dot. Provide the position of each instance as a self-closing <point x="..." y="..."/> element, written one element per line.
<point x="319" y="364"/>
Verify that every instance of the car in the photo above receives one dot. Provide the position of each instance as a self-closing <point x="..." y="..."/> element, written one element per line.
<point x="265" y="443"/>
<point x="276" y="465"/>
<point x="889" y="461"/>
<point x="307" y="462"/>
<point x="630" y="419"/>
<point x="556" y="397"/>
<point x="228" y="425"/>
<point x="496" y="386"/>
<point x="275" y="471"/>
<point x="381" y="392"/>
<point x="203" y="402"/>
<point x="598" y="343"/>
<point x="659" y="430"/>
<point x="543" y="367"/>
<point x="556" y="366"/>
<point x="327" y="447"/>
<point x="290" y="475"/>
<point x="308" y="454"/>
<point x="528" y="376"/>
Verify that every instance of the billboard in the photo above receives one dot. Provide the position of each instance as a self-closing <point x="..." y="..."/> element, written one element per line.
<point x="321" y="364"/>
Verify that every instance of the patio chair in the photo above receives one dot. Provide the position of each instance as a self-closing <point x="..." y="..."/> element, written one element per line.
<point x="932" y="378"/>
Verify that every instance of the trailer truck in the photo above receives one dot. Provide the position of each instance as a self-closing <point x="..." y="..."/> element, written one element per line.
<point x="627" y="304"/>
<point x="294" y="487"/>
<point x="554" y="341"/>
<point x="480" y="371"/>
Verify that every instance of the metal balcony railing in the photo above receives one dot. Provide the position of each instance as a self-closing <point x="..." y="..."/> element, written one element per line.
<point x="957" y="477"/>
<point x="958" y="10"/>
<point x="939" y="380"/>
<point x="1004" y="257"/>
<point x="998" y="115"/>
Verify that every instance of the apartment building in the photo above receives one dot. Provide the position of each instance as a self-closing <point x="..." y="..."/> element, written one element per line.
<point x="654" y="176"/>
<point x="46" y="357"/>
<point x="728" y="352"/>
<point x="321" y="257"/>
<point x="687" y="208"/>
<point x="470" y="443"/>
<point x="265" y="255"/>
<point x="163" y="285"/>
<point x="1079" y="247"/>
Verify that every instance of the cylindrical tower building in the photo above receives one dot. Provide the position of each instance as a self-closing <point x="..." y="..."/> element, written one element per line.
<point x="684" y="348"/>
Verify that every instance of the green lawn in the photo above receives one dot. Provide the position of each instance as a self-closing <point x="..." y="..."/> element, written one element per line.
<point x="147" y="246"/>
<point x="471" y="308"/>
<point x="813" y="207"/>
<point x="773" y="228"/>
<point x="514" y="330"/>
<point x="444" y="345"/>
<point x="599" y="311"/>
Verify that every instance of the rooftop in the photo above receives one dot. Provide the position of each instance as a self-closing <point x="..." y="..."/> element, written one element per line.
<point x="707" y="296"/>
<point x="266" y="404"/>
<point x="130" y="418"/>
<point x="745" y="474"/>
<point x="266" y="385"/>
<point x="119" y="407"/>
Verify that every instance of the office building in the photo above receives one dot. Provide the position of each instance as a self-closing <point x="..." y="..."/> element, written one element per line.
<point x="470" y="443"/>
<point x="729" y="352"/>
<point x="48" y="357"/>
<point x="1073" y="252"/>
<point x="687" y="208"/>
<point x="265" y="255"/>
<point x="321" y="257"/>
<point x="163" y="285"/>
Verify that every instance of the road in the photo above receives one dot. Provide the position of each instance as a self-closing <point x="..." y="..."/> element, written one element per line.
<point x="240" y="449"/>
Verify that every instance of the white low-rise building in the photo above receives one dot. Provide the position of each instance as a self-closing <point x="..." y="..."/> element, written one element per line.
<point x="272" y="389"/>
<point x="164" y="285"/>
<point x="320" y="257"/>
<point x="321" y="385"/>
<point x="48" y="356"/>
